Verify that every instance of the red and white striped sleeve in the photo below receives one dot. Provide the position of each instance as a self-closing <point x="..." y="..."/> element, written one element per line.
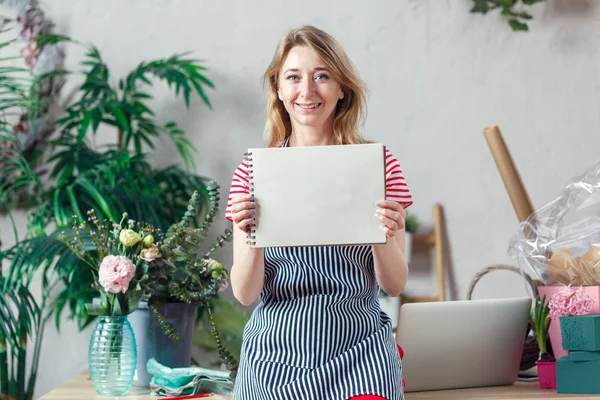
<point x="239" y="186"/>
<point x="395" y="184"/>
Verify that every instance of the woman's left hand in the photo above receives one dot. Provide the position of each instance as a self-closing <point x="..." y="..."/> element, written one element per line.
<point x="391" y="215"/>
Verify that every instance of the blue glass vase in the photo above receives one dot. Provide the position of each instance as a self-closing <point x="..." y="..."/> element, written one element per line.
<point x="112" y="356"/>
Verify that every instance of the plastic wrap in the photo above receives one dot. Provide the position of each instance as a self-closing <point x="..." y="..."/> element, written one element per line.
<point x="559" y="244"/>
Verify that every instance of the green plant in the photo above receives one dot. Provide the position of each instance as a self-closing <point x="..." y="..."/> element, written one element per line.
<point x="22" y="318"/>
<point x="540" y="319"/>
<point x="411" y="223"/>
<point x="31" y="127"/>
<point x="107" y="179"/>
<point x="181" y="274"/>
<point x="21" y="322"/>
<point x="516" y="19"/>
<point x="230" y="321"/>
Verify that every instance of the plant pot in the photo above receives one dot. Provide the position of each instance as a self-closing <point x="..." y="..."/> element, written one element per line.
<point x="112" y="356"/>
<point x="554" y="331"/>
<point x="154" y="343"/>
<point x="546" y="374"/>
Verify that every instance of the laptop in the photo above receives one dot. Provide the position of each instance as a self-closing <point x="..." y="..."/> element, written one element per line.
<point x="462" y="344"/>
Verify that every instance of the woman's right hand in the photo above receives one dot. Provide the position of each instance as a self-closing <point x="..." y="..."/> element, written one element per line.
<point x="243" y="211"/>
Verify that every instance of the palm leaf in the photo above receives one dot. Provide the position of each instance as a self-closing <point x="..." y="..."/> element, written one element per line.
<point x="20" y="319"/>
<point x="58" y="264"/>
<point x="20" y="95"/>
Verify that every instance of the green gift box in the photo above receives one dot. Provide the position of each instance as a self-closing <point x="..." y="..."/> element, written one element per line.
<point x="577" y="377"/>
<point x="580" y="333"/>
<point x="584" y="355"/>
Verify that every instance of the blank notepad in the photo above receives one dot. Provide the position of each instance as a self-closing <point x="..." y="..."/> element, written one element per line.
<point x="317" y="195"/>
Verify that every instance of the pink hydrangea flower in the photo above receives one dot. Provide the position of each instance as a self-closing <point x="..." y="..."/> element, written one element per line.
<point x="568" y="302"/>
<point x="115" y="273"/>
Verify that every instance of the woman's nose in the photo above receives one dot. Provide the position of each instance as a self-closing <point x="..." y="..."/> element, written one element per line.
<point x="307" y="87"/>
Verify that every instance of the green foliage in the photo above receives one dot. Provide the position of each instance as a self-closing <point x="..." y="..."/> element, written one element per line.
<point x="230" y="321"/>
<point x="181" y="274"/>
<point x="516" y="19"/>
<point x="541" y="321"/>
<point x="126" y="107"/>
<point x="21" y="317"/>
<point x="107" y="179"/>
<point x="229" y="361"/>
<point x="16" y="174"/>
<point x="21" y="320"/>
<point x="411" y="223"/>
<point x="22" y="144"/>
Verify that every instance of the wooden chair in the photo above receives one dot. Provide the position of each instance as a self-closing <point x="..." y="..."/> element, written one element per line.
<point x="435" y="239"/>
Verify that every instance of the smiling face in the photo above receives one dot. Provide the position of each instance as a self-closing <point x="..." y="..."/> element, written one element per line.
<point x="307" y="90"/>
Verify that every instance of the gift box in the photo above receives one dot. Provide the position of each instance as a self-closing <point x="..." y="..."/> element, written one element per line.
<point x="584" y="355"/>
<point x="577" y="377"/>
<point x="581" y="333"/>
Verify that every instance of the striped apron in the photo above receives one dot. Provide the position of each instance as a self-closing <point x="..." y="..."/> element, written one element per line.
<point x="318" y="332"/>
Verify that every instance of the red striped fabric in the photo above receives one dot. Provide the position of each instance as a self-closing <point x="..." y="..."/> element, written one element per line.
<point x="395" y="184"/>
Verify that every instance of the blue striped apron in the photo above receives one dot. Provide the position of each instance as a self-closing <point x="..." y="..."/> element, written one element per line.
<point x="318" y="332"/>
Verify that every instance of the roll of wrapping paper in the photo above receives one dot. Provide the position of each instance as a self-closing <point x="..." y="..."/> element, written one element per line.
<point x="508" y="172"/>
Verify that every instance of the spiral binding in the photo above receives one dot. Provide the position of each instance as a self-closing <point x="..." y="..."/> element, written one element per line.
<point x="250" y="236"/>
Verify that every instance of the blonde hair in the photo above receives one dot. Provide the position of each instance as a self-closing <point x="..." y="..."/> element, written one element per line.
<point x="350" y="111"/>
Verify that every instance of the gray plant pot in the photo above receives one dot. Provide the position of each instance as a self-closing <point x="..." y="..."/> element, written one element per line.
<point x="153" y="343"/>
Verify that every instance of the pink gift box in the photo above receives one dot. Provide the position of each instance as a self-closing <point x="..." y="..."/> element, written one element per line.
<point x="554" y="332"/>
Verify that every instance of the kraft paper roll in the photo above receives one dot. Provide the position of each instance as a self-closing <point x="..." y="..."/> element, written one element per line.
<point x="508" y="172"/>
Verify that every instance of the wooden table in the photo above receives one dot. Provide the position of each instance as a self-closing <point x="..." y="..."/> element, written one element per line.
<point x="518" y="391"/>
<point x="80" y="388"/>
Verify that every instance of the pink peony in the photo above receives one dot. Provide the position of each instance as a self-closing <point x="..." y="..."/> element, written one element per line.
<point x="115" y="273"/>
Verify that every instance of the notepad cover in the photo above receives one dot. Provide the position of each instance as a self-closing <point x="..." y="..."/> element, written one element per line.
<point x="317" y="195"/>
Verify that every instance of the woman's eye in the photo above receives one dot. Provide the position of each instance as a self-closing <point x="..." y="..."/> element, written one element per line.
<point x="292" y="77"/>
<point x="321" y="77"/>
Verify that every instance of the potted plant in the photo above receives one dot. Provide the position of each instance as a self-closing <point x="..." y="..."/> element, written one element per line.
<point x="546" y="363"/>
<point x="110" y="178"/>
<point x="391" y="305"/>
<point x="180" y="280"/>
<point x="46" y="141"/>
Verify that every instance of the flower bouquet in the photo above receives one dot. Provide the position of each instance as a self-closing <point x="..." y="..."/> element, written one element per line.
<point x="118" y="255"/>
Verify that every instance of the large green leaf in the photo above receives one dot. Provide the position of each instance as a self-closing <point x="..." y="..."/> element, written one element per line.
<point x="21" y="320"/>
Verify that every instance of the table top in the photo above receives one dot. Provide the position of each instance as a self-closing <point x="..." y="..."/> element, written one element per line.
<point x="80" y="387"/>
<point x="518" y="391"/>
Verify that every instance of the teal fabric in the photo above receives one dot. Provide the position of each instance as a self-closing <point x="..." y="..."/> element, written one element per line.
<point x="185" y="381"/>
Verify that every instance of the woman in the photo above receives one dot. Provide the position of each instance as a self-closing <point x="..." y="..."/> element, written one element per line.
<point x="335" y="343"/>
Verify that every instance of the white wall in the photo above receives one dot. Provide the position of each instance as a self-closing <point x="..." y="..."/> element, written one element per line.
<point x="437" y="76"/>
